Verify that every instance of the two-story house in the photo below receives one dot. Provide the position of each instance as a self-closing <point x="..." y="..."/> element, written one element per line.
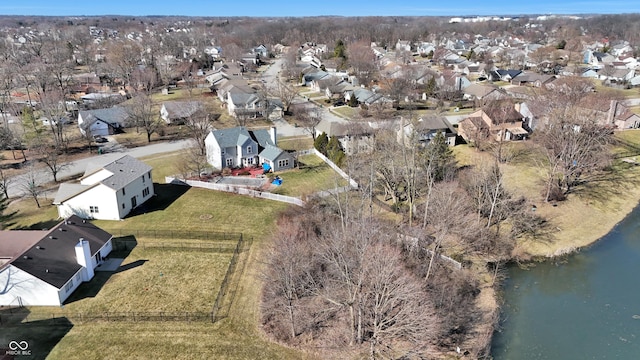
<point x="239" y="147"/>
<point x="106" y="191"/>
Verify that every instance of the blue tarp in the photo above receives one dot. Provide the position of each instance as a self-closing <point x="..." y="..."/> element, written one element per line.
<point x="277" y="181"/>
<point x="266" y="167"/>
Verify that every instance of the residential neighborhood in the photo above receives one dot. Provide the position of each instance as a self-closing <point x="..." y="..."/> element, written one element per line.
<point x="321" y="187"/>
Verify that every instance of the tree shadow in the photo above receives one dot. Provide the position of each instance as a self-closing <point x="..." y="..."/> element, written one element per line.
<point x="36" y="339"/>
<point x="166" y="194"/>
<point x="41" y="225"/>
<point x="604" y="185"/>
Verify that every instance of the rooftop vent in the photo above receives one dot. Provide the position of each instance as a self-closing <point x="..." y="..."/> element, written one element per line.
<point x="38" y="247"/>
<point x="25" y="257"/>
<point x="52" y="237"/>
<point x="46" y="270"/>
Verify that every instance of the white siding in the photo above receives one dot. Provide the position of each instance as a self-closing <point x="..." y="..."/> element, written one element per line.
<point x="96" y="177"/>
<point x="18" y="287"/>
<point x="214" y="156"/>
<point x="133" y="189"/>
<point x="101" y="196"/>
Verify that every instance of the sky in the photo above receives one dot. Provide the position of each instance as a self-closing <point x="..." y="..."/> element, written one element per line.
<point x="257" y="8"/>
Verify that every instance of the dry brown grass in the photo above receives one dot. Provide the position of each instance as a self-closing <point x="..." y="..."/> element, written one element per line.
<point x="588" y="214"/>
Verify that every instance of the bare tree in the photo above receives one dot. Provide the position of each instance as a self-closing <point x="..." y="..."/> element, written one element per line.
<point x="362" y="60"/>
<point x="198" y="124"/>
<point x="5" y="181"/>
<point x="287" y="93"/>
<point x="31" y="185"/>
<point x="192" y="162"/>
<point x="52" y="158"/>
<point x="142" y="114"/>
<point x="308" y="116"/>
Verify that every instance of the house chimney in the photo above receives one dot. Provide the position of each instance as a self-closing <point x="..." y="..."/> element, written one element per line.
<point x="83" y="256"/>
<point x="274" y="135"/>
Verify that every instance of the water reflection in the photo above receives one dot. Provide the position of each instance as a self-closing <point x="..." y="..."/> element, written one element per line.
<point x="587" y="307"/>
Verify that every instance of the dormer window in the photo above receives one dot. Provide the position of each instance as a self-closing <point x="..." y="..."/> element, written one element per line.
<point x="249" y="150"/>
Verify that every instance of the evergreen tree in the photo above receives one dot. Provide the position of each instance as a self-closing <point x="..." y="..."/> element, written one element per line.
<point x="321" y="143"/>
<point x="440" y="156"/>
<point x="340" y="51"/>
<point x="431" y="86"/>
<point x="335" y="152"/>
<point x="353" y="102"/>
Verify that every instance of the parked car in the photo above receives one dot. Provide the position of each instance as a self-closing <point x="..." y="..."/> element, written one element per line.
<point x="100" y="139"/>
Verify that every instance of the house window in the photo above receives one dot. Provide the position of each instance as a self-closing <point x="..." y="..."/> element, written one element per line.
<point x="145" y="192"/>
<point x="142" y="178"/>
<point x="134" y="202"/>
<point x="250" y="160"/>
<point x="69" y="286"/>
<point x="123" y="205"/>
<point x="149" y="175"/>
<point x="93" y="209"/>
<point x="123" y="192"/>
<point x="283" y="163"/>
<point x="229" y="161"/>
<point x="249" y="150"/>
<point x="223" y="151"/>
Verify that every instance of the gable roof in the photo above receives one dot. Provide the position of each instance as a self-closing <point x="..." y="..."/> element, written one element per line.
<point x="123" y="171"/>
<point x="231" y="137"/>
<point x="478" y="90"/>
<point x="115" y="116"/>
<point x="271" y="153"/>
<point x="181" y="109"/>
<point x="53" y="258"/>
<point x="240" y="98"/>
<point x="68" y="190"/>
<point x="262" y="137"/>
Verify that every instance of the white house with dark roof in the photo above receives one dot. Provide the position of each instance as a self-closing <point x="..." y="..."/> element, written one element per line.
<point x="102" y="121"/>
<point x="239" y="147"/>
<point x="109" y="190"/>
<point x="43" y="268"/>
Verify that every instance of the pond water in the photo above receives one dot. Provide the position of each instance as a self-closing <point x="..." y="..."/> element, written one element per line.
<point x="586" y="306"/>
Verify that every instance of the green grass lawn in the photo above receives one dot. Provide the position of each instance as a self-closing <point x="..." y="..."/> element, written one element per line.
<point x="346" y="111"/>
<point x="190" y="280"/>
<point x="158" y="281"/>
<point x="296" y="143"/>
<point x="313" y="175"/>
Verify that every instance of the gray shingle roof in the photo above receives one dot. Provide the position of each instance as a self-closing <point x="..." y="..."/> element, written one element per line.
<point x="115" y="116"/>
<point x="242" y="99"/>
<point x="182" y="109"/>
<point x="69" y="190"/>
<point x="271" y="153"/>
<point x="124" y="170"/>
<point x="262" y="137"/>
<point x="230" y="137"/>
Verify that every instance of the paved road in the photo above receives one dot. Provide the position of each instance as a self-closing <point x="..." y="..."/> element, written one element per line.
<point x="270" y="77"/>
<point x="42" y="176"/>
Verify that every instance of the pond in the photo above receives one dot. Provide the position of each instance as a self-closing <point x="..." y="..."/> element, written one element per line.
<point x="585" y="306"/>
